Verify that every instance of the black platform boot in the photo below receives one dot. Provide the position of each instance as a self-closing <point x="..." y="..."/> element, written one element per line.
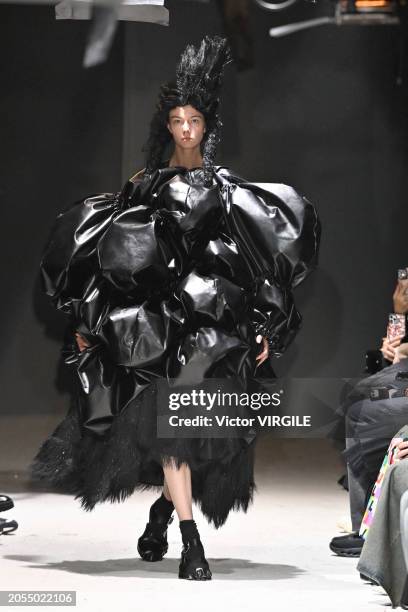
<point x="193" y="564"/>
<point x="152" y="544"/>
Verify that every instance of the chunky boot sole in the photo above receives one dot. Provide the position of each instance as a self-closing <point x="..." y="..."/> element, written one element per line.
<point x="346" y="552"/>
<point x="197" y="573"/>
<point x="349" y="545"/>
<point x="193" y="565"/>
<point x="152" y="544"/>
<point x="152" y="554"/>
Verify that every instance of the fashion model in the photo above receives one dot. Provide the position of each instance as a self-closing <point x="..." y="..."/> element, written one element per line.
<point x="185" y="274"/>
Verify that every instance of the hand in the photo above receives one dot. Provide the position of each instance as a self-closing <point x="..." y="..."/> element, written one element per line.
<point x="401" y="352"/>
<point x="82" y="343"/>
<point x="400" y="297"/>
<point x="402" y="450"/>
<point x="264" y="355"/>
<point x="389" y="346"/>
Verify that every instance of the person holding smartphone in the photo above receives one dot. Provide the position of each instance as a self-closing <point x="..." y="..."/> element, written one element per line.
<point x="364" y="452"/>
<point x="392" y="347"/>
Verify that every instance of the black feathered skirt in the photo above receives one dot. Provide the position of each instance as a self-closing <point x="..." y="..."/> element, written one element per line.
<point x="99" y="463"/>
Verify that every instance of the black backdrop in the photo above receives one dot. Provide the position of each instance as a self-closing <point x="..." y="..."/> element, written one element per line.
<point x="320" y="111"/>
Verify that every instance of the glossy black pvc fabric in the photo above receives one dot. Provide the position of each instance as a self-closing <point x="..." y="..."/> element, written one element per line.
<point x="170" y="279"/>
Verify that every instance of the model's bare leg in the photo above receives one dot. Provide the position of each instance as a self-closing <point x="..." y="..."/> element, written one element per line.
<point x="166" y="491"/>
<point x="193" y="564"/>
<point x="178" y="482"/>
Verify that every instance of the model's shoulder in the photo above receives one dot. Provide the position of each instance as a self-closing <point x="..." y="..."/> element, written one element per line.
<point x="227" y="173"/>
<point x="234" y="177"/>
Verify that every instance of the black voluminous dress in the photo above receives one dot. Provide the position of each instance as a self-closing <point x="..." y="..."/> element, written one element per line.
<point x="164" y="278"/>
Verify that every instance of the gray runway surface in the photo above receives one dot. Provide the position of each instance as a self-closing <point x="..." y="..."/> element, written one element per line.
<point x="275" y="557"/>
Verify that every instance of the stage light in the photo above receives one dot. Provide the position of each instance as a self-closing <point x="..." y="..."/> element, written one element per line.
<point x="346" y="12"/>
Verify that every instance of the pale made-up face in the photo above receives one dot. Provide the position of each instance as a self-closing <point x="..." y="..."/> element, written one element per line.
<point x="187" y="126"/>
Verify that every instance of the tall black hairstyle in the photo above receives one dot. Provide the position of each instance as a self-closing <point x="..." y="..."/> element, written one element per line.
<point x="198" y="83"/>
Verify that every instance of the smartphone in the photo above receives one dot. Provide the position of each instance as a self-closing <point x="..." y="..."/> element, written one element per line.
<point x="379" y="393"/>
<point x="396" y="326"/>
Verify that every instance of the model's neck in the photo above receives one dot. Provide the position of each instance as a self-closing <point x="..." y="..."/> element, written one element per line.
<point x="188" y="158"/>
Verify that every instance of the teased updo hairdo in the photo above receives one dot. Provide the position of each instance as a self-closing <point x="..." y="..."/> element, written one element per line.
<point x="198" y="83"/>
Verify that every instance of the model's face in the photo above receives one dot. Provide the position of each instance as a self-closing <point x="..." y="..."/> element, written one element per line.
<point x="187" y="126"/>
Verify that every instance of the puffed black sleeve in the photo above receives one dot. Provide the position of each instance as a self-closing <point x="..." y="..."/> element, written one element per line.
<point x="278" y="231"/>
<point x="102" y="264"/>
<point x="69" y="266"/>
<point x="69" y="263"/>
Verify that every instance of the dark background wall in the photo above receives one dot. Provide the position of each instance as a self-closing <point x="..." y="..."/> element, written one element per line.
<point x="61" y="136"/>
<point x="320" y="111"/>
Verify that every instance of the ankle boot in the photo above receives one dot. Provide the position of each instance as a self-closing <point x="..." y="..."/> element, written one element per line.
<point x="193" y="564"/>
<point x="152" y="544"/>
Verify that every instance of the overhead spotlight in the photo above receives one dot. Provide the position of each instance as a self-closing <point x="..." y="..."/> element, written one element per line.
<point x="346" y="12"/>
<point x="275" y="6"/>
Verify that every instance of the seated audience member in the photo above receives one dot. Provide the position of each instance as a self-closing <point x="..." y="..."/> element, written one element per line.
<point x="382" y="559"/>
<point x="377" y="407"/>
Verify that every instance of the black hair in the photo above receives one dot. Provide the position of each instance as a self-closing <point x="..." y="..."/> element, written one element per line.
<point x="198" y="83"/>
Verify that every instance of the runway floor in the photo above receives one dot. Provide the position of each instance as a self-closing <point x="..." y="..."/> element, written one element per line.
<point x="275" y="557"/>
